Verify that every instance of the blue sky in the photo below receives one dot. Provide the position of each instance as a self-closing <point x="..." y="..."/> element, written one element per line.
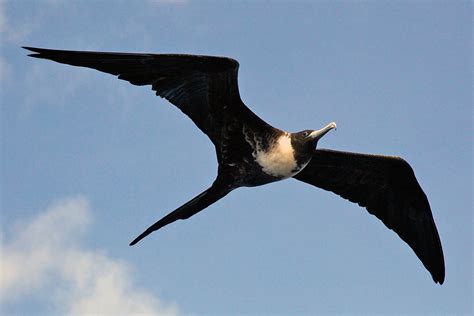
<point x="89" y="161"/>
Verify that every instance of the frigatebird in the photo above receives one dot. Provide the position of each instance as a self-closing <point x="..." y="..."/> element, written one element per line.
<point x="250" y="152"/>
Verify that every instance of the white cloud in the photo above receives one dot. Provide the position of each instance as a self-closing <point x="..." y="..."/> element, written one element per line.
<point x="45" y="255"/>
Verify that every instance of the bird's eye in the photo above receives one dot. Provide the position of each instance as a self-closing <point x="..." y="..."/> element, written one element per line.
<point x="305" y="134"/>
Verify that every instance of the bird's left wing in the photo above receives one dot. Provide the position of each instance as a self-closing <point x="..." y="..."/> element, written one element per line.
<point x="387" y="187"/>
<point x="200" y="86"/>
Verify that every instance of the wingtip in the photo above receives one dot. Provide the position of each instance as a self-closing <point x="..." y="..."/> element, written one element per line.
<point x="37" y="52"/>
<point x="439" y="279"/>
<point x="438" y="276"/>
<point x="33" y="49"/>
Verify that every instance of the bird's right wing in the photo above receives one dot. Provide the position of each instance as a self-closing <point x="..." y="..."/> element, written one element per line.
<point x="387" y="187"/>
<point x="200" y="86"/>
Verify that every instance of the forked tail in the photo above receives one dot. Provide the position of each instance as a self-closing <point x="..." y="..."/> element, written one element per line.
<point x="197" y="204"/>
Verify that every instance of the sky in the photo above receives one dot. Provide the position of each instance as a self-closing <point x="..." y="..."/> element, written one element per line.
<point x="89" y="161"/>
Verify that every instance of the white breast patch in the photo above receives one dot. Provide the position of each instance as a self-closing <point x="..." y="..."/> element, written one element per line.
<point x="279" y="161"/>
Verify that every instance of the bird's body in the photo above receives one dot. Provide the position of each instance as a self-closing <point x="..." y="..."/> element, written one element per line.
<point x="262" y="157"/>
<point x="277" y="159"/>
<point x="250" y="152"/>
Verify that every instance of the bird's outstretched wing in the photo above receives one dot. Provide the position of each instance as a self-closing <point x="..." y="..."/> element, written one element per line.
<point x="197" y="204"/>
<point x="201" y="86"/>
<point x="387" y="188"/>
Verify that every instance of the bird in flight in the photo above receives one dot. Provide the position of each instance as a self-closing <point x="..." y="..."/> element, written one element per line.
<point x="250" y="152"/>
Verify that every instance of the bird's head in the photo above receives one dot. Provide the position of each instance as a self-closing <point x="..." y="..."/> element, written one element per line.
<point x="307" y="140"/>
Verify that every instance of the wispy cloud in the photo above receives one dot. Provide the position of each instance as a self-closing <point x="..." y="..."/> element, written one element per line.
<point x="18" y="30"/>
<point x="14" y="33"/>
<point x="42" y="84"/>
<point x="44" y="254"/>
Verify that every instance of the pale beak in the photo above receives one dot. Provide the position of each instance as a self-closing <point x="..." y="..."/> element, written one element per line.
<point x="316" y="135"/>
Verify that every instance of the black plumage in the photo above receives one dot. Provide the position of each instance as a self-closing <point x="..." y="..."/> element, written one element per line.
<point x="250" y="152"/>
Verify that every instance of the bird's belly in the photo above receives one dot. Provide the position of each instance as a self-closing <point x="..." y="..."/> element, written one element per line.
<point x="279" y="161"/>
<point x="276" y="165"/>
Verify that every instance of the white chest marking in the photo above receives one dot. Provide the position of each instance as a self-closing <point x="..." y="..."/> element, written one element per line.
<point x="279" y="160"/>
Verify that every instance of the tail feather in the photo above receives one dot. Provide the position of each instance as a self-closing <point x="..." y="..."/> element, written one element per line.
<point x="187" y="210"/>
